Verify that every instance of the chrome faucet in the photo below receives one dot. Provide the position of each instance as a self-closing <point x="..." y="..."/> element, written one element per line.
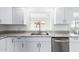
<point x="38" y="24"/>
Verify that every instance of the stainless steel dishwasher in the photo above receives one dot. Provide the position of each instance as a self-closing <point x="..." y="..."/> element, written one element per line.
<point x="60" y="44"/>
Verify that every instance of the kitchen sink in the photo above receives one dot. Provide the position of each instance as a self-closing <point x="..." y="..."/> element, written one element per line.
<point x="39" y="34"/>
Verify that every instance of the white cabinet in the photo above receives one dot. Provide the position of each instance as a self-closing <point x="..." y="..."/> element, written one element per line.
<point x="33" y="44"/>
<point x="18" y="45"/>
<point x="64" y="15"/>
<point x="22" y="45"/>
<point x="69" y="15"/>
<point x="5" y="15"/>
<point x="17" y="15"/>
<point x="10" y="44"/>
<point x="37" y="44"/>
<point x="25" y="44"/>
<point x="60" y="15"/>
<point x="74" y="44"/>
<point x="11" y="15"/>
<point x="45" y="46"/>
<point x="7" y="44"/>
<point x="30" y="46"/>
<point x="3" y="45"/>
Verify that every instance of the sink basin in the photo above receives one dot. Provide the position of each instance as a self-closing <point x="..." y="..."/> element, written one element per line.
<point x="39" y="34"/>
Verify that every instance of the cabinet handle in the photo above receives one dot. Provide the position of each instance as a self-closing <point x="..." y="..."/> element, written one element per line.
<point x="12" y="40"/>
<point x="0" y="20"/>
<point x="39" y="46"/>
<point x="22" y="45"/>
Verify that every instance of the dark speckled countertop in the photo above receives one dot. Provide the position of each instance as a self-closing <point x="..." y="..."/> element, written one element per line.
<point x="28" y="34"/>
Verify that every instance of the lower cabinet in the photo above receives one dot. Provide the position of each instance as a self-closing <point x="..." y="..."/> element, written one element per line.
<point x="6" y="44"/>
<point x="37" y="46"/>
<point x="18" y="45"/>
<point x="45" y="46"/>
<point x="3" y="45"/>
<point x="25" y="44"/>
<point x="30" y="46"/>
<point x="33" y="44"/>
<point x="10" y="44"/>
<point x="74" y="44"/>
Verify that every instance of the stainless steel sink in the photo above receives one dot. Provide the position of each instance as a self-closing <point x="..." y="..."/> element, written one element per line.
<point x="39" y="33"/>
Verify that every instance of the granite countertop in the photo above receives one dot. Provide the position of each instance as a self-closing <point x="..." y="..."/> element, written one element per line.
<point x="73" y="35"/>
<point x="27" y="34"/>
<point x="13" y="33"/>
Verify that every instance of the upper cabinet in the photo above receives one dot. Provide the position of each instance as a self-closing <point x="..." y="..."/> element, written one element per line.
<point x="17" y="15"/>
<point x="11" y="15"/>
<point x="69" y="15"/>
<point x="5" y="15"/>
<point x="59" y="15"/>
<point x="64" y="15"/>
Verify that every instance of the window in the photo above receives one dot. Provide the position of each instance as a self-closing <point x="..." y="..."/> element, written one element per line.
<point x="41" y="19"/>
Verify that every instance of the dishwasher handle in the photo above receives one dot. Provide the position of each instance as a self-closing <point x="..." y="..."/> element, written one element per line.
<point x="61" y="40"/>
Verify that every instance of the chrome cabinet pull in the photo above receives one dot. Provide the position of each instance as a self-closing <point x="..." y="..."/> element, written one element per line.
<point x="22" y="45"/>
<point x="12" y="40"/>
<point x="0" y="21"/>
<point x="39" y="46"/>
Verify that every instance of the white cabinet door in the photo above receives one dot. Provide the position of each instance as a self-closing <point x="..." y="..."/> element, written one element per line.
<point x="18" y="45"/>
<point x="30" y="46"/>
<point x="64" y="15"/>
<point x="17" y="15"/>
<point x="25" y="46"/>
<point x="74" y="44"/>
<point x="7" y="45"/>
<point x="69" y="15"/>
<point x="10" y="44"/>
<point x="5" y="15"/>
<point x="33" y="44"/>
<point x="45" y="46"/>
<point x="3" y="45"/>
<point x="37" y="44"/>
<point x="60" y="15"/>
